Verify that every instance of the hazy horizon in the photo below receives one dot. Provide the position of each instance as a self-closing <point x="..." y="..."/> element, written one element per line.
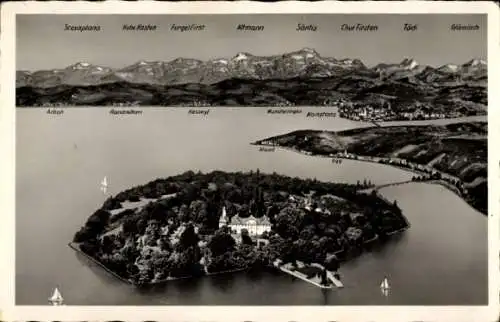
<point x="43" y="44"/>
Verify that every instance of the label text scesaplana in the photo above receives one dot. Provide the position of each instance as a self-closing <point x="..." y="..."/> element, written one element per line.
<point x="81" y="28"/>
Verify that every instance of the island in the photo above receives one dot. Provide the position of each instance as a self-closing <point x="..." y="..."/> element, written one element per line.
<point x="196" y="224"/>
<point x="453" y="155"/>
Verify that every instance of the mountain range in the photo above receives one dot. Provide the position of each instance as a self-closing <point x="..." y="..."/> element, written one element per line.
<point x="304" y="63"/>
<point x="271" y="80"/>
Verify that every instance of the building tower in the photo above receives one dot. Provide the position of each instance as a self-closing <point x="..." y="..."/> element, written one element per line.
<point x="223" y="218"/>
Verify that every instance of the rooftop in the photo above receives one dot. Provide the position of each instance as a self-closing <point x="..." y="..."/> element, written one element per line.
<point x="237" y="220"/>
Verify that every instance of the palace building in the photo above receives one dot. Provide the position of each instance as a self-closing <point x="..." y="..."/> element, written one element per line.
<point x="254" y="226"/>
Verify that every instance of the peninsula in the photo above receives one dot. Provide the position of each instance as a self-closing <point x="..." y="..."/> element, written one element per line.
<point x="453" y="155"/>
<point x="196" y="224"/>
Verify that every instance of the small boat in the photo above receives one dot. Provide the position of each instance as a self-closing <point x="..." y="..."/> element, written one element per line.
<point x="56" y="299"/>
<point x="104" y="185"/>
<point x="385" y="284"/>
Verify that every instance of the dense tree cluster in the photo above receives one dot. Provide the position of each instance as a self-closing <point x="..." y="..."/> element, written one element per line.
<point x="177" y="233"/>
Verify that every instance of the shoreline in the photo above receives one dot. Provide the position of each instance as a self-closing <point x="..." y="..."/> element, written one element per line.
<point x="335" y="282"/>
<point x="369" y="159"/>
<point x="131" y="279"/>
<point x="305" y="279"/>
<point x="77" y="249"/>
<point x="369" y="122"/>
<point x="376" y="238"/>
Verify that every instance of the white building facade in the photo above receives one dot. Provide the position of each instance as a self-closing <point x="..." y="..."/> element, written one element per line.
<point x="254" y="226"/>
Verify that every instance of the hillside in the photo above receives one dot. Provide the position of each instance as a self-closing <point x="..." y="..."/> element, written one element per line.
<point x="299" y="78"/>
<point x="348" y="93"/>
<point x="455" y="154"/>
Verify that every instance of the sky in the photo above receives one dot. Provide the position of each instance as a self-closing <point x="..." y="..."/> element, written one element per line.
<point x="42" y="42"/>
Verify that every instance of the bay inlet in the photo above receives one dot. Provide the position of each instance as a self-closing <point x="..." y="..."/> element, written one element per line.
<point x="440" y="260"/>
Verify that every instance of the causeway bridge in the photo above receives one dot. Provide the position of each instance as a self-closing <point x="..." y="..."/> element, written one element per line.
<point x="376" y="188"/>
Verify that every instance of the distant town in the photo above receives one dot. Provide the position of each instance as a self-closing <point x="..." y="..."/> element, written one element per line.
<point x="384" y="112"/>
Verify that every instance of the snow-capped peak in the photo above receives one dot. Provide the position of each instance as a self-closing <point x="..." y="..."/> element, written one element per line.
<point x="220" y="61"/>
<point x="409" y="63"/>
<point x="476" y="62"/>
<point x="80" y="65"/>
<point x="310" y="53"/>
<point x="309" y="50"/>
<point x="142" y="63"/>
<point x="449" y="67"/>
<point x="240" y="56"/>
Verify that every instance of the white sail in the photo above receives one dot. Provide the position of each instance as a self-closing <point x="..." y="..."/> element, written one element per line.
<point x="104" y="185"/>
<point x="56" y="295"/>
<point x="56" y="298"/>
<point x="385" y="284"/>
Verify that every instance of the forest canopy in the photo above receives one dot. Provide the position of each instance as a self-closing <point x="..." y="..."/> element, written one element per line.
<point x="169" y="228"/>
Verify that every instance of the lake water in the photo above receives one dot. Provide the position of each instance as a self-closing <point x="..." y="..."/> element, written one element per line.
<point x="441" y="260"/>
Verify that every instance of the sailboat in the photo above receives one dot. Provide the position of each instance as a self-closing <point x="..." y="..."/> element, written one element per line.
<point x="385" y="285"/>
<point x="56" y="299"/>
<point x="104" y="185"/>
